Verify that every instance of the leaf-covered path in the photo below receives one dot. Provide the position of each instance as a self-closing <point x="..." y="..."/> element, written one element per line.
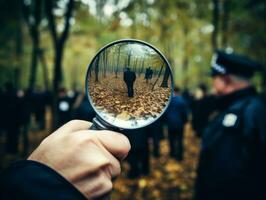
<point x="110" y="95"/>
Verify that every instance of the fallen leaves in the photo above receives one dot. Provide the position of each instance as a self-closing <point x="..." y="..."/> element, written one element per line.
<point x="109" y="95"/>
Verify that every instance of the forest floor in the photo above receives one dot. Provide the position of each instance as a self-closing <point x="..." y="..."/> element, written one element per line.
<point x="168" y="178"/>
<point x="110" y="95"/>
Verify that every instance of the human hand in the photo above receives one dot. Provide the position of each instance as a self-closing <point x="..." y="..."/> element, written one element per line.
<point x="88" y="159"/>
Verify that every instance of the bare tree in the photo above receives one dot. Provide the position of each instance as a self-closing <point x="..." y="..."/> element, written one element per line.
<point x="215" y="22"/>
<point x="96" y="63"/>
<point x="58" y="42"/>
<point x="117" y="62"/>
<point x="32" y="16"/>
<point x="165" y="78"/>
<point x="225" y="19"/>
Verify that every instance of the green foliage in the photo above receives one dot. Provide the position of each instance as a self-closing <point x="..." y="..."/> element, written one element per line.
<point x="181" y="29"/>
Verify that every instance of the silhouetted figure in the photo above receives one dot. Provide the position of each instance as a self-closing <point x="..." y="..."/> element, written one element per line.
<point x="1" y="108"/>
<point x="177" y="116"/>
<point x="63" y="107"/>
<point x="202" y="107"/>
<point x="188" y="98"/>
<point x="82" y="109"/>
<point x="148" y="74"/>
<point x="232" y="159"/>
<point x="129" y="78"/>
<point x="138" y="157"/>
<point x="155" y="132"/>
<point x="10" y="109"/>
<point x="24" y="114"/>
<point x="39" y="101"/>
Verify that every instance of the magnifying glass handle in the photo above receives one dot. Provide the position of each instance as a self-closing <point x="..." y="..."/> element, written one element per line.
<point x="97" y="124"/>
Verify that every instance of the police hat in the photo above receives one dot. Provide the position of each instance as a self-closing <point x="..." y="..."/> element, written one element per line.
<point x="223" y="63"/>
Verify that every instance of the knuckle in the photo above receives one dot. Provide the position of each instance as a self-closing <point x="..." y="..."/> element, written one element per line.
<point x="74" y="121"/>
<point x="127" y="144"/>
<point x="108" y="185"/>
<point x="117" y="168"/>
<point x="82" y="138"/>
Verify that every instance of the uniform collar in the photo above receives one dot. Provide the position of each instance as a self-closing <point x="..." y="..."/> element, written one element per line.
<point x="226" y="100"/>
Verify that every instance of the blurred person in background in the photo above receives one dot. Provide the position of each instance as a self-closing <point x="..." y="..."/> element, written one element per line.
<point x="232" y="160"/>
<point x="155" y="132"/>
<point x="24" y="114"/>
<point x="176" y="116"/>
<point x="202" y="107"/>
<point x="82" y="109"/>
<point x="138" y="157"/>
<point x="11" y="122"/>
<point x="64" y="108"/>
<point x="39" y="101"/>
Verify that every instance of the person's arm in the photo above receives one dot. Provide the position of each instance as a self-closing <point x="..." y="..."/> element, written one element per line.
<point x="71" y="163"/>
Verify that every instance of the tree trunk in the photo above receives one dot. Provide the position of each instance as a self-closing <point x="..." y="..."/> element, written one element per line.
<point x="117" y="63"/>
<point x="97" y="69"/>
<point x="34" y="62"/>
<point x="58" y="42"/>
<point x="19" y="44"/>
<point x="215" y="22"/>
<point x="35" y="37"/>
<point x="225" y="23"/>
<point x="44" y="68"/>
<point x="165" y="78"/>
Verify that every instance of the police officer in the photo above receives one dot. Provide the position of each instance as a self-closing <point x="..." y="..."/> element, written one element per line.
<point x="148" y="74"/>
<point x="177" y="116"/>
<point x="63" y="107"/>
<point x="202" y="107"/>
<point x="129" y="78"/>
<point x="233" y="154"/>
<point x="10" y="109"/>
<point x="138" y="157"/>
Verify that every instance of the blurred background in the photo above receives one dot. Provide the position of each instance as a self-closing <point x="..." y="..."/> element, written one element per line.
<point x="46" y="46"/>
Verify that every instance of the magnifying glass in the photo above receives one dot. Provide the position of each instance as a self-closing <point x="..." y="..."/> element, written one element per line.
<point x="129" y="84"/>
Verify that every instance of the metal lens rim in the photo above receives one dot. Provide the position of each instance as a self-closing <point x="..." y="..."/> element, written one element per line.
<point x="129" y="41"/>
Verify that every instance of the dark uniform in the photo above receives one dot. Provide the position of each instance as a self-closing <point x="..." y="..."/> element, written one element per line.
<point x="202" y="108"/>
<point x="84" y="111"/>
<point x="129" y="78"/>
<point x="30" y="180"/>
<point x="11" y="123"/>
<point x="176" y="115"/>
<point x="138" y="157"/>
<point x="148" y="74"/>
<point x="233" y="155"/>
<point x="155" y="132"/>
<point x="39" y="102"/>
<point x="64" y="104"/>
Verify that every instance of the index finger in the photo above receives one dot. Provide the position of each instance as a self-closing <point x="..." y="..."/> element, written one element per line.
<point x="116" y="143"/>
<point x="74" y="125"/>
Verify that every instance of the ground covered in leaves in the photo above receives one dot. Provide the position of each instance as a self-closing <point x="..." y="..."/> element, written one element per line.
<point x="110" y="95"/>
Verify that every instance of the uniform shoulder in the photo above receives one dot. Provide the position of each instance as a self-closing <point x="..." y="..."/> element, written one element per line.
<point x="255" y="108"/>
<point x="255" y="103"/>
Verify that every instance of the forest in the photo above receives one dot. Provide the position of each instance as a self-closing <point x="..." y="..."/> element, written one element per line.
<point x="49" y="44"/>
<point x="48" y="52"/>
